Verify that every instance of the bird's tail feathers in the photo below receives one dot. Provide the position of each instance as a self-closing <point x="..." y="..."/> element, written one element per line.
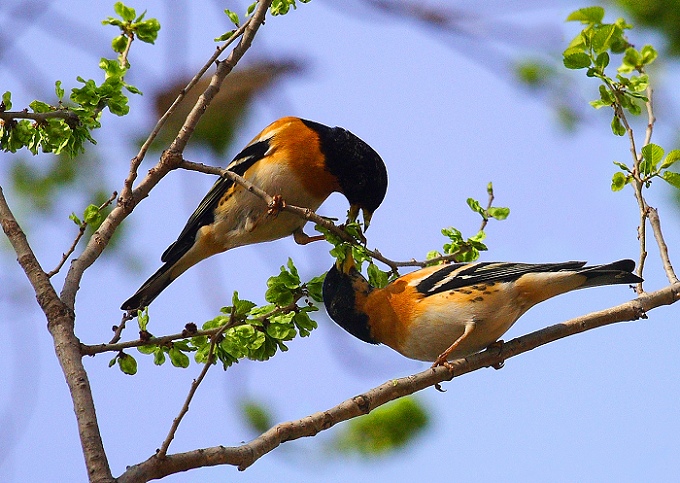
<point x="151" y="289"/>
<point x="619" y="272"/>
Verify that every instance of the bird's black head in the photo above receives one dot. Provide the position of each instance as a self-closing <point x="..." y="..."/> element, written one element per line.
<point x="360" y="170"/>
<point x="341" y="292"/>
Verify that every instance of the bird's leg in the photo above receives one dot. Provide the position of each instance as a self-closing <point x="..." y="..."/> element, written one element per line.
<point x="498" y="345"/>
<point x="302" y="238"/>
<point x="442" y="360"/>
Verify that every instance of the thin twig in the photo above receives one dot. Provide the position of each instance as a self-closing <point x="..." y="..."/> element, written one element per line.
<point x="81" y="232"/>
<point x="192" y="391"/>
<point x="115" y="346"/>
<point x="39" y="116"/>
<point x="651" y="118"/>
<point x="310" y="215"/>
<point x="137" y="160"/>
<point x="655" y="223"/>
<point x="245" y="455"/>
<point x="72" y="248"/>
<point x="638" y="186"/>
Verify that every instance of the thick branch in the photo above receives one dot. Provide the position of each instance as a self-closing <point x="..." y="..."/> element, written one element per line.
<point x="245" y="455"/>
<point x="60" y="322"/>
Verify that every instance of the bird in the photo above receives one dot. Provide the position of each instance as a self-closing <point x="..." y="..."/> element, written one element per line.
<point x="450" y="311"/>
<point x="298" y="161"/>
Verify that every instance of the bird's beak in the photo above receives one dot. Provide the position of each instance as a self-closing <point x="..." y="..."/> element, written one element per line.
<point x="367" y="217"/>
<point x="348" y="263"/>
<point x="353" y="213"/>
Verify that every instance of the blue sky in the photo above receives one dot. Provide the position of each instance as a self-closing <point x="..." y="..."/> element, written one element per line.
<point x="446" y="117"/>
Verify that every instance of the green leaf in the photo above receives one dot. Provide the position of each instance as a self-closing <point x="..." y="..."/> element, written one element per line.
<point x="241" y="307"/>
<point x="282" y="331"/>
<point x="619" y="180"/>
<point x="603" y="38"/>
<point x="58" y="90"/>
<point x="147" y="349"/>
<point x="304" y="323"/>
<point x="476" y="206"/>
<point x="39" y="106"/>
<point x="233" y="16"/>
<point x="622" y="166"/>
<point x="315" y="288"/>
<point x="376" y="277"/>
<point x="159" y="357"/>
<point x="639" y="83"/>
<point x="143" y="318"/>
<point x="251" y="9"/>
<point x="587" y="15"/>
<point x="257" y="416"/>
<point x="432" y="254"/>
<point x="74" y="218"/>
<point x="672" y="178"/>
<point x="602" y="61"/>
<point x="652" y="154"/>
<point x="7" y="100"/>
<point x="119" y="43"/>
<point x="177" y="357"/>
<point x="498" y="213"/>
<point x="224" y="36"/>
<point x="147" y="31"/>
<point x="672" y="157"/>
<point x="126" y="13"/>
<point x="632" y="58"/>
<point x="385" y="429"/>
<point x="93" y="215"/>
<point x="617" y="127"/>
<point x="576" y="61"/>
<point x="648" y="54"/>
<point x="127" y="364"/>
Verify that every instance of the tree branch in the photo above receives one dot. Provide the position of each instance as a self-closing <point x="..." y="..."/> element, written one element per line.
<point x="40" y="117"/>
<point x="169" y="161"/>
<point x="245" y="455"/>
<point x="194" y="387"/>
<point x="310" y="215"/>
<point x="60" y="322"/>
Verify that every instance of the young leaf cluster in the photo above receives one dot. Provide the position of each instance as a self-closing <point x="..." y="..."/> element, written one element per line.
<point x="248" y="330"/>
<point x="278" y="7"/>
<point x="358" y="251"/>
<point x="131" y="26"/>
<point x="653" y="165"/>
<point x="591" y="49"/>
<point x="467" y="250"/>
<point x="60" y="128"/>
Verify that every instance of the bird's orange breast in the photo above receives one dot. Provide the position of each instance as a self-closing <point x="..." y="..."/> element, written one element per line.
<point x="391" y="311"/>
<point x="299" y="147"/>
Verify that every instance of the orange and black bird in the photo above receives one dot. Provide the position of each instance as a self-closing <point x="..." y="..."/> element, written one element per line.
<point x="301" y="161"/>
<point x="445" y="312"/>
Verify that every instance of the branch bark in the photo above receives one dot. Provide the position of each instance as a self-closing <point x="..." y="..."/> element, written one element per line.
<point x="60" y="323"/>
<point x="245" y="455"/>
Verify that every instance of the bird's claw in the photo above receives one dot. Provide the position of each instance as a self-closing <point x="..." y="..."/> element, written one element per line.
<point x="276" y="205"/>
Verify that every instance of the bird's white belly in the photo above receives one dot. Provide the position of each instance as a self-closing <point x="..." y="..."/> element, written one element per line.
<point x="247" y="220"/>
<point x="434" y="330"/>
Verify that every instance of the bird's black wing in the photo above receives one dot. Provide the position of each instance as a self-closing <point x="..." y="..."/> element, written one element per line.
<point x="460" y="275"/>
<point x="205" y="212"/>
